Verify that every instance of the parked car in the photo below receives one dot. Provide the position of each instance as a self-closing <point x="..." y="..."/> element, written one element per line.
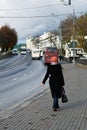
<point x="83" y="57"/>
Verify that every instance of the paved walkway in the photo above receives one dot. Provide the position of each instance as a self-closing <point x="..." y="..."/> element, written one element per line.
<point x="38" y="114"/>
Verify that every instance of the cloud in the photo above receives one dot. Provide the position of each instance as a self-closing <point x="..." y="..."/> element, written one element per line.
<point x="32" y="25"/>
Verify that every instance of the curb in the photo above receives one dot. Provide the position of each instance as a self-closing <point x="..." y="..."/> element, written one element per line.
<point x="81" y="65"/>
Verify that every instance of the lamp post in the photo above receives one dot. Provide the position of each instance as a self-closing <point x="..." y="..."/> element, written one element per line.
<point x="73" y="34"/>
<point x="60" y="39"/>
<point x="69" y="4"/>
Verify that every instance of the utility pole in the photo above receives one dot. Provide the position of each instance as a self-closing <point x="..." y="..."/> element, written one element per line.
<point x="60" y="38"/>
<point x="69" y="3"/>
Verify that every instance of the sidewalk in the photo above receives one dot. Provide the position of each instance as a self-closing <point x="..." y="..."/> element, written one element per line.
<point x="38" y="114"/>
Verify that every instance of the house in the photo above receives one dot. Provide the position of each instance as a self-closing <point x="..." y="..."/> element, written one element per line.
<point x="72" y="51"/>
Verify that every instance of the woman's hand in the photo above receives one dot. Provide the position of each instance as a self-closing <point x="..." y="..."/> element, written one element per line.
<point x="42" y="84"/>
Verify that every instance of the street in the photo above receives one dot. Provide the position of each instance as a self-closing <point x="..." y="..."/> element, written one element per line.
<point x="20" y="78"/>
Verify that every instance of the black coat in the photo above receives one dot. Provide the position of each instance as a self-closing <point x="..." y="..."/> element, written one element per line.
<point x="56" y="79"/>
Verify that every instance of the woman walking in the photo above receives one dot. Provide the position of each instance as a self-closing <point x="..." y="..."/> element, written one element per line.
<point x="56" y="81"/>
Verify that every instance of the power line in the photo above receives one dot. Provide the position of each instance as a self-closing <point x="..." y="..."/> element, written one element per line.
<point x="41" y="16"/>
<point x="37" y="7"/>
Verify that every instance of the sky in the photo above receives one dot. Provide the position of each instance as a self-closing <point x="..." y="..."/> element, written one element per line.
<point x="34" y="17"/>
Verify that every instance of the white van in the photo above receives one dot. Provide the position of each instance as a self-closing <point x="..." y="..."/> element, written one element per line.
<point x="23" y="50"/>
<point x="36" y="54"/>
<point x="15" y="51"/>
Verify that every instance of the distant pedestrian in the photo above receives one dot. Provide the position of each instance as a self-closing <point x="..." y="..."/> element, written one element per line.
<point x="60" y="57"/>
<point x="56" y="81"/>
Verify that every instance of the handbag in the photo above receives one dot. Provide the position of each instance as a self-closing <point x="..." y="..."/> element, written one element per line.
<point x="64" y="97"/>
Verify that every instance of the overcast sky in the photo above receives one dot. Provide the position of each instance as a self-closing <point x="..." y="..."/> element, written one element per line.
<point x="30" y="17"/>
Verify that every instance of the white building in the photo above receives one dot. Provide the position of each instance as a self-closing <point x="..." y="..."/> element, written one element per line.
<point x="30" y="44"/>
<point x="49" y="39"/>
<point x="45" y="40"/>
<point x="72" y="51"/>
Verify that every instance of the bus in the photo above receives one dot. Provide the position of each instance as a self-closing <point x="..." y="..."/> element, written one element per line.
<point x="48" y="53"/>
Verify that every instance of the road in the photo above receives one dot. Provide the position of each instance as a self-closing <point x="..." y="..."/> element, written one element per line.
<point x="20" y="78"/>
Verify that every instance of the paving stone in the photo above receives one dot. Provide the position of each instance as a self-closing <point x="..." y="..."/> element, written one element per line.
<point x="38" y="114"/>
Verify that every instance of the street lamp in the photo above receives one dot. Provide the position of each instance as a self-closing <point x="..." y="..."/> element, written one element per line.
<point x="60" y="38"/>
<point x="69" y="4"/>
<point x="73" y="34"/>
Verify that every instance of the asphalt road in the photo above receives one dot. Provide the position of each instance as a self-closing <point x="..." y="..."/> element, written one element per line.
<point x="20" y="78"/>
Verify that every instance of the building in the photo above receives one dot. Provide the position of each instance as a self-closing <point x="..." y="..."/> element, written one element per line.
<point x="72" y="51"/>
<point x="30" y="43"/>
<point x="45" y="40"/>
<point x="49" y="39"/>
